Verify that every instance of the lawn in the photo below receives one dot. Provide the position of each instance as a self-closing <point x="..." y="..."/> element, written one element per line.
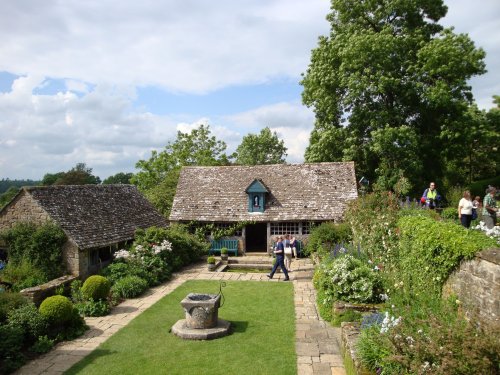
<point x="262" y="342"/>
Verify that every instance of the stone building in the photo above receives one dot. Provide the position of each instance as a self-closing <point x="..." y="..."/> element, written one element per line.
<point x="273" y="199"/>
<point x="97" y="219"/>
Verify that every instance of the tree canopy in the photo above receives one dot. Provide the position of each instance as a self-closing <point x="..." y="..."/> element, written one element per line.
<point x="262" y="148"/>
<point x="118" y="178"/>
<point x="157" y="177"/>
<point x="78" y="175"/>
<point x="388" y="86"/>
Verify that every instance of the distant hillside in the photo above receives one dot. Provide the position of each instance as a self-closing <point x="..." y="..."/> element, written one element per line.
<point x="5" y="184"/>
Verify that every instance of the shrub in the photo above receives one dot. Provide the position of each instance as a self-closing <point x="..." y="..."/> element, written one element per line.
<point x="129" y="287"/>
<point x="116" y="271"/>
<point x="325" y="236"/>
<point x="430" y="250"/>
<point x="76" y="291"/>
<point x="29" y="319"/>
<point x="42" y="244"/>
<point x="42" y="345"/>
<point x="57" y="309"/>
<point x="211" y="260"/>
<point x="223" y="250"/>
<point x="10" y="348"/>
<point x="96" y="287"/>
<point x="450" y="213"/>
<point x="93" y="308"/>
<point x="23" y="274"/>
<point x="10" y="301"/>
<point x="346" y="316"/>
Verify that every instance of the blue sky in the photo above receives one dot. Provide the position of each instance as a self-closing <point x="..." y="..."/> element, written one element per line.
<point x="107" y="82"/>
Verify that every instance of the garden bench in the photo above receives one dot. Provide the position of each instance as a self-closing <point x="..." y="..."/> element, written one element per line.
<point x="230" y="245"/>
<point x="300" y="247"/>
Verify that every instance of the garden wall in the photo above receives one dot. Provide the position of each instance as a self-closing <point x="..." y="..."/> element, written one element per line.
<point x="38" y="293"/>
<point x="477" y="285"/>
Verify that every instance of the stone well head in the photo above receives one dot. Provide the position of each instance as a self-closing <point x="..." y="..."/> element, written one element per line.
<point x="202" y="310"/>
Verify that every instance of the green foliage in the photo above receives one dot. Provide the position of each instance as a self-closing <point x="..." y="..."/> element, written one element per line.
<point x="347" y="278"/>
<point x="57" y="309"/>
<point x="43" y="345"/>
<point x="78" y="175"/>
<point x="29" y="319"/>
<point x="223" y="250"/>
<point x="23" y="275"/>
<point x="118" y="178"/>
<point x="389" y="89"/>
<point x="346" y="316"/>
<point x="42" y="245"/>
<point x="201" y="231"/>
<point x="116" y="271"/>
<point x="211" y="260"/>
<point x="76" y="291"/>
<point x="263" y="148"/>
<point x="453" y="195"/>
<point x="373" y="221"/>
<point x="93" y="307"/>
<point x="10" y="348"/>
<point x="430" y="250"/>
<point x="450" y="213"/>
<point x="479" y="187"/>
<point x="6" y="184"/>
<point x="326" y="235"/>
<point x="432" y="338"/>
<point x="8" y="196"/>
<point x="129" y="287"/>
<point x="8" y="302"/>
<point x="157" y="177"/>
<point x="96" y="287"/>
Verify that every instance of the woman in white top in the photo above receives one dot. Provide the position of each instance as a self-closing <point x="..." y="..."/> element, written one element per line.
<point x="465" y="209"/>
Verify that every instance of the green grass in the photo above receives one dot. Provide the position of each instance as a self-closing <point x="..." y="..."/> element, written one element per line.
<point x="262" y="342"/>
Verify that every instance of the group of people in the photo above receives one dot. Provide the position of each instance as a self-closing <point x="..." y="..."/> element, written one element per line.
<point x="284" y="249"/>
<point x="467" y="207"/>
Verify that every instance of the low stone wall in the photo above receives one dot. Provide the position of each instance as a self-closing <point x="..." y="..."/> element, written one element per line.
<point x="38" y="293"/>
<point x="477" y="285"/>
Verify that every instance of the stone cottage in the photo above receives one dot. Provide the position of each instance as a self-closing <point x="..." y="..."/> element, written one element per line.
<point x="97" y="219"/>
<point x="276" y="199"/>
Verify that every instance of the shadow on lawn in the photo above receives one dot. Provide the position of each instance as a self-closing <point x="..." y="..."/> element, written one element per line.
<point x="238" y="326"/>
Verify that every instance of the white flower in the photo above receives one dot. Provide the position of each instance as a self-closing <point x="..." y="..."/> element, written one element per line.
<point x="122" y="254"/>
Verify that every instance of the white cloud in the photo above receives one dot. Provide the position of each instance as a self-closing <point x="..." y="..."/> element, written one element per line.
<point x="188" y="46"/>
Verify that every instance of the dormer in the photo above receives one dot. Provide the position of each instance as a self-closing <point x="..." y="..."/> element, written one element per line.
<point x="256" y="192"/>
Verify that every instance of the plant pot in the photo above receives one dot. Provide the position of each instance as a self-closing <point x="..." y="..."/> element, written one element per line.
<point x="223" y="256"/>
<point x="211" y="267"/>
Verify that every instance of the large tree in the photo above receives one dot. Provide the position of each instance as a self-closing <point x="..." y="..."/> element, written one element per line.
<point x="262" y="148"/>
<point x="385" y="86"/>
<point x="158" y="176"/>
<point x="78" y="175"/>
<point x="118" y="178"/>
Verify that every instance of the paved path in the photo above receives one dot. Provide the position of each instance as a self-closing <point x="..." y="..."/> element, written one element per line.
<point x="317" y="343"/>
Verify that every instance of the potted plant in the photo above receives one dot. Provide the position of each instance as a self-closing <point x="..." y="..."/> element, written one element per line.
<point x="223" y="253"/>
<point x="211" y="263"/>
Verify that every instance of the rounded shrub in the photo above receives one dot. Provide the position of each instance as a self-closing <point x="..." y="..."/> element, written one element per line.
<point x="129" y="287"/>
<point x="211" y="260"/>
<point x="57" y="309"/>
<point x="96" y="287"/>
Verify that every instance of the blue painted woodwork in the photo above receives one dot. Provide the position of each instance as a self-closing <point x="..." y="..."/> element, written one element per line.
<point x="256" y="196"/>
<point x="217" y="245"/>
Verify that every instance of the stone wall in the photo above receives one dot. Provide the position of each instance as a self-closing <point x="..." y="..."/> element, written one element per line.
<point x="38" y="293"/>
<point x="477" y="285"/>
<point x="23" y="208"/>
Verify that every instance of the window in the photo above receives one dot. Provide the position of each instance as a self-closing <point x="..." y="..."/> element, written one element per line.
<point x="284" y="228"/>
<point x="307" y="226"/>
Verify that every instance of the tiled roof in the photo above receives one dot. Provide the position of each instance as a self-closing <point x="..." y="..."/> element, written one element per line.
<point x="316" y="191"/>
<point x="97" y="215"/>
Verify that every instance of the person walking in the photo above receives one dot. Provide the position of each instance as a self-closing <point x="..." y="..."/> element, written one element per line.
<point x="288" y="252"/>
<point x="490" y="208"/>
<point x="465" y="207"/>
<point x="279" y="252"/>
<point x="293" y="244"/>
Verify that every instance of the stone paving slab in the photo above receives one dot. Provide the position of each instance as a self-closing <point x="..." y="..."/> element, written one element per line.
<point x="317" y="343"/>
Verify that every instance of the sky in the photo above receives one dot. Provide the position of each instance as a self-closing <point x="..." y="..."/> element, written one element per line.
<point x="105" y="82"/>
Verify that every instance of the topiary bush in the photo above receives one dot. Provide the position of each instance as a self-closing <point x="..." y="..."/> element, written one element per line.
<point x="96" y="287"/>
<point x="129" y="287"/>
<point x="57" y="309"/>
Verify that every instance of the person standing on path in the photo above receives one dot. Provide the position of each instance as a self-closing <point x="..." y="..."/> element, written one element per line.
<point x="280" y="257"/>
<point x="465" y="207"/>
<point x="490" y="208"/>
